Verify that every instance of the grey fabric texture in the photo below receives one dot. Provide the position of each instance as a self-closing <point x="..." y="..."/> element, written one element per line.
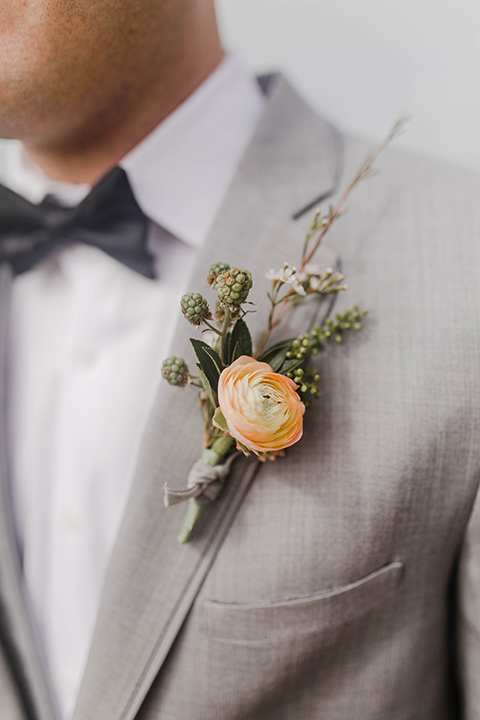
<point x="342" y="581"/>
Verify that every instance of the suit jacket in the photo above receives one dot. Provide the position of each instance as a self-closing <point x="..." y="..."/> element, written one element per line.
<point x="342" y="581"/>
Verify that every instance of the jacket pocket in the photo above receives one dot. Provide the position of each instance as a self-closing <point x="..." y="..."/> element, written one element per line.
<point x="261" y="622"/>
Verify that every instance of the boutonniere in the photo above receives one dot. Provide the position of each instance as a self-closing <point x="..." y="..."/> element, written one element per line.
<point x="253" y="399"/>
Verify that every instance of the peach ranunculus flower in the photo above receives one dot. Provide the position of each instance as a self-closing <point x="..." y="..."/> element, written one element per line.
<point x="261" y="408"/>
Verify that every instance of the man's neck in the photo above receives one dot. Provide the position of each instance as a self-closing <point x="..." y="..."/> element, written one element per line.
<point x="88" y="158"/>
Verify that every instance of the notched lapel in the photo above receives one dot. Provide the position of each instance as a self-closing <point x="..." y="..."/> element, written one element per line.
<point x="152" y="580"/>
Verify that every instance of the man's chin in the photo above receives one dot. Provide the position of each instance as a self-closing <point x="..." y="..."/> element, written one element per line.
<point x="12" y="128"/>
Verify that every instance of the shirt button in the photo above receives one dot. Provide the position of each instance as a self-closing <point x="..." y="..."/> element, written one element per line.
<point x="73" y="521"/>
<point x="85" y="355"/>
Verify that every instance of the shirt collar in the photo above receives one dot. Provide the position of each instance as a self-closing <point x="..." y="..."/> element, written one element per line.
<point x="180" y="172"/>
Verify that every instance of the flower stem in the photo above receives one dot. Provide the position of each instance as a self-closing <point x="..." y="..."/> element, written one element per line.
<point x="192" y="517"/>
<point x="218" y="451"/>
<point x="277" y="317"/>
<point x="226" y="325"/>
<point x="214" y="455"/>
<point x="322" y="225"/>
<point x="212" y="327"/>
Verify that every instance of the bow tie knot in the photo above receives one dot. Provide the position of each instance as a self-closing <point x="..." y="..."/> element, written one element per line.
<point x="56" y="217"/>
<point x="108" y="218"/>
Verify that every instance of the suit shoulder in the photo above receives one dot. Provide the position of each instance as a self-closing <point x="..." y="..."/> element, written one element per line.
<point x="425" y="174"/>
<point x="411" y="194"/>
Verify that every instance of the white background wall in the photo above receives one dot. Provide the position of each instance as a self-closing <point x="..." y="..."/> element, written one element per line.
<point x="362" y="63"/>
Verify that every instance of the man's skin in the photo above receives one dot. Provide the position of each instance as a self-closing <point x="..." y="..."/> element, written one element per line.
<point x="83" y="81"/>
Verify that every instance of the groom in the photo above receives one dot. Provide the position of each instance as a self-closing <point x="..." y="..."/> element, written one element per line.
<point x="340" y="582"/>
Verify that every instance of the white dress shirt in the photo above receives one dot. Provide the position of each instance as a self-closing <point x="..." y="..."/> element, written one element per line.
<point x="87" y="339"/>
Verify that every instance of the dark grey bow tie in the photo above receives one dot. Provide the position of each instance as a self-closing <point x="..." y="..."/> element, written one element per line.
<point x="108" y="218"/>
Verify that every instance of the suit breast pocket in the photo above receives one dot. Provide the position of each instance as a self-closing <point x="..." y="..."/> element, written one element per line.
<point x="263" y="622"/>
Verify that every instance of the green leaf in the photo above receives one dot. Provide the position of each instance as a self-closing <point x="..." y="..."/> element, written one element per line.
<point x="212" y="395"/>
<point x="228" y="349"/>
<point x="240" y="341"/>
<point x="201" y="347"/>
<point x="209" y="361"/>
<point x="244" y="449"/>
<point x="290" y="364"/>
<point x="276" y="355"/>
<point x="219" y="420"/>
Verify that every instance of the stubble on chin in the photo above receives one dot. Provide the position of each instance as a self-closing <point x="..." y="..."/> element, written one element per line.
<point x="69" y="66"/>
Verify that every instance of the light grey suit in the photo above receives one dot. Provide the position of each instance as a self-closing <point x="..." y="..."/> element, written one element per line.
<point x="342" y="582"/>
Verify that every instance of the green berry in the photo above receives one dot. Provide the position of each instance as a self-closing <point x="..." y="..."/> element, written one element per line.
<point x="175" y="371"/>
<point x="233" y="286"/>
<point x="215" y="271"/>
<point x="195" y="308"/>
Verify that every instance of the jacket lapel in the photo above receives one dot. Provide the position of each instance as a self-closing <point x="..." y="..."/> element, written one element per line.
<point x="152" y="580"/>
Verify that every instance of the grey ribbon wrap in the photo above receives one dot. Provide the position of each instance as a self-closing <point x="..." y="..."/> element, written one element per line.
<point x="204" y="484"/>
